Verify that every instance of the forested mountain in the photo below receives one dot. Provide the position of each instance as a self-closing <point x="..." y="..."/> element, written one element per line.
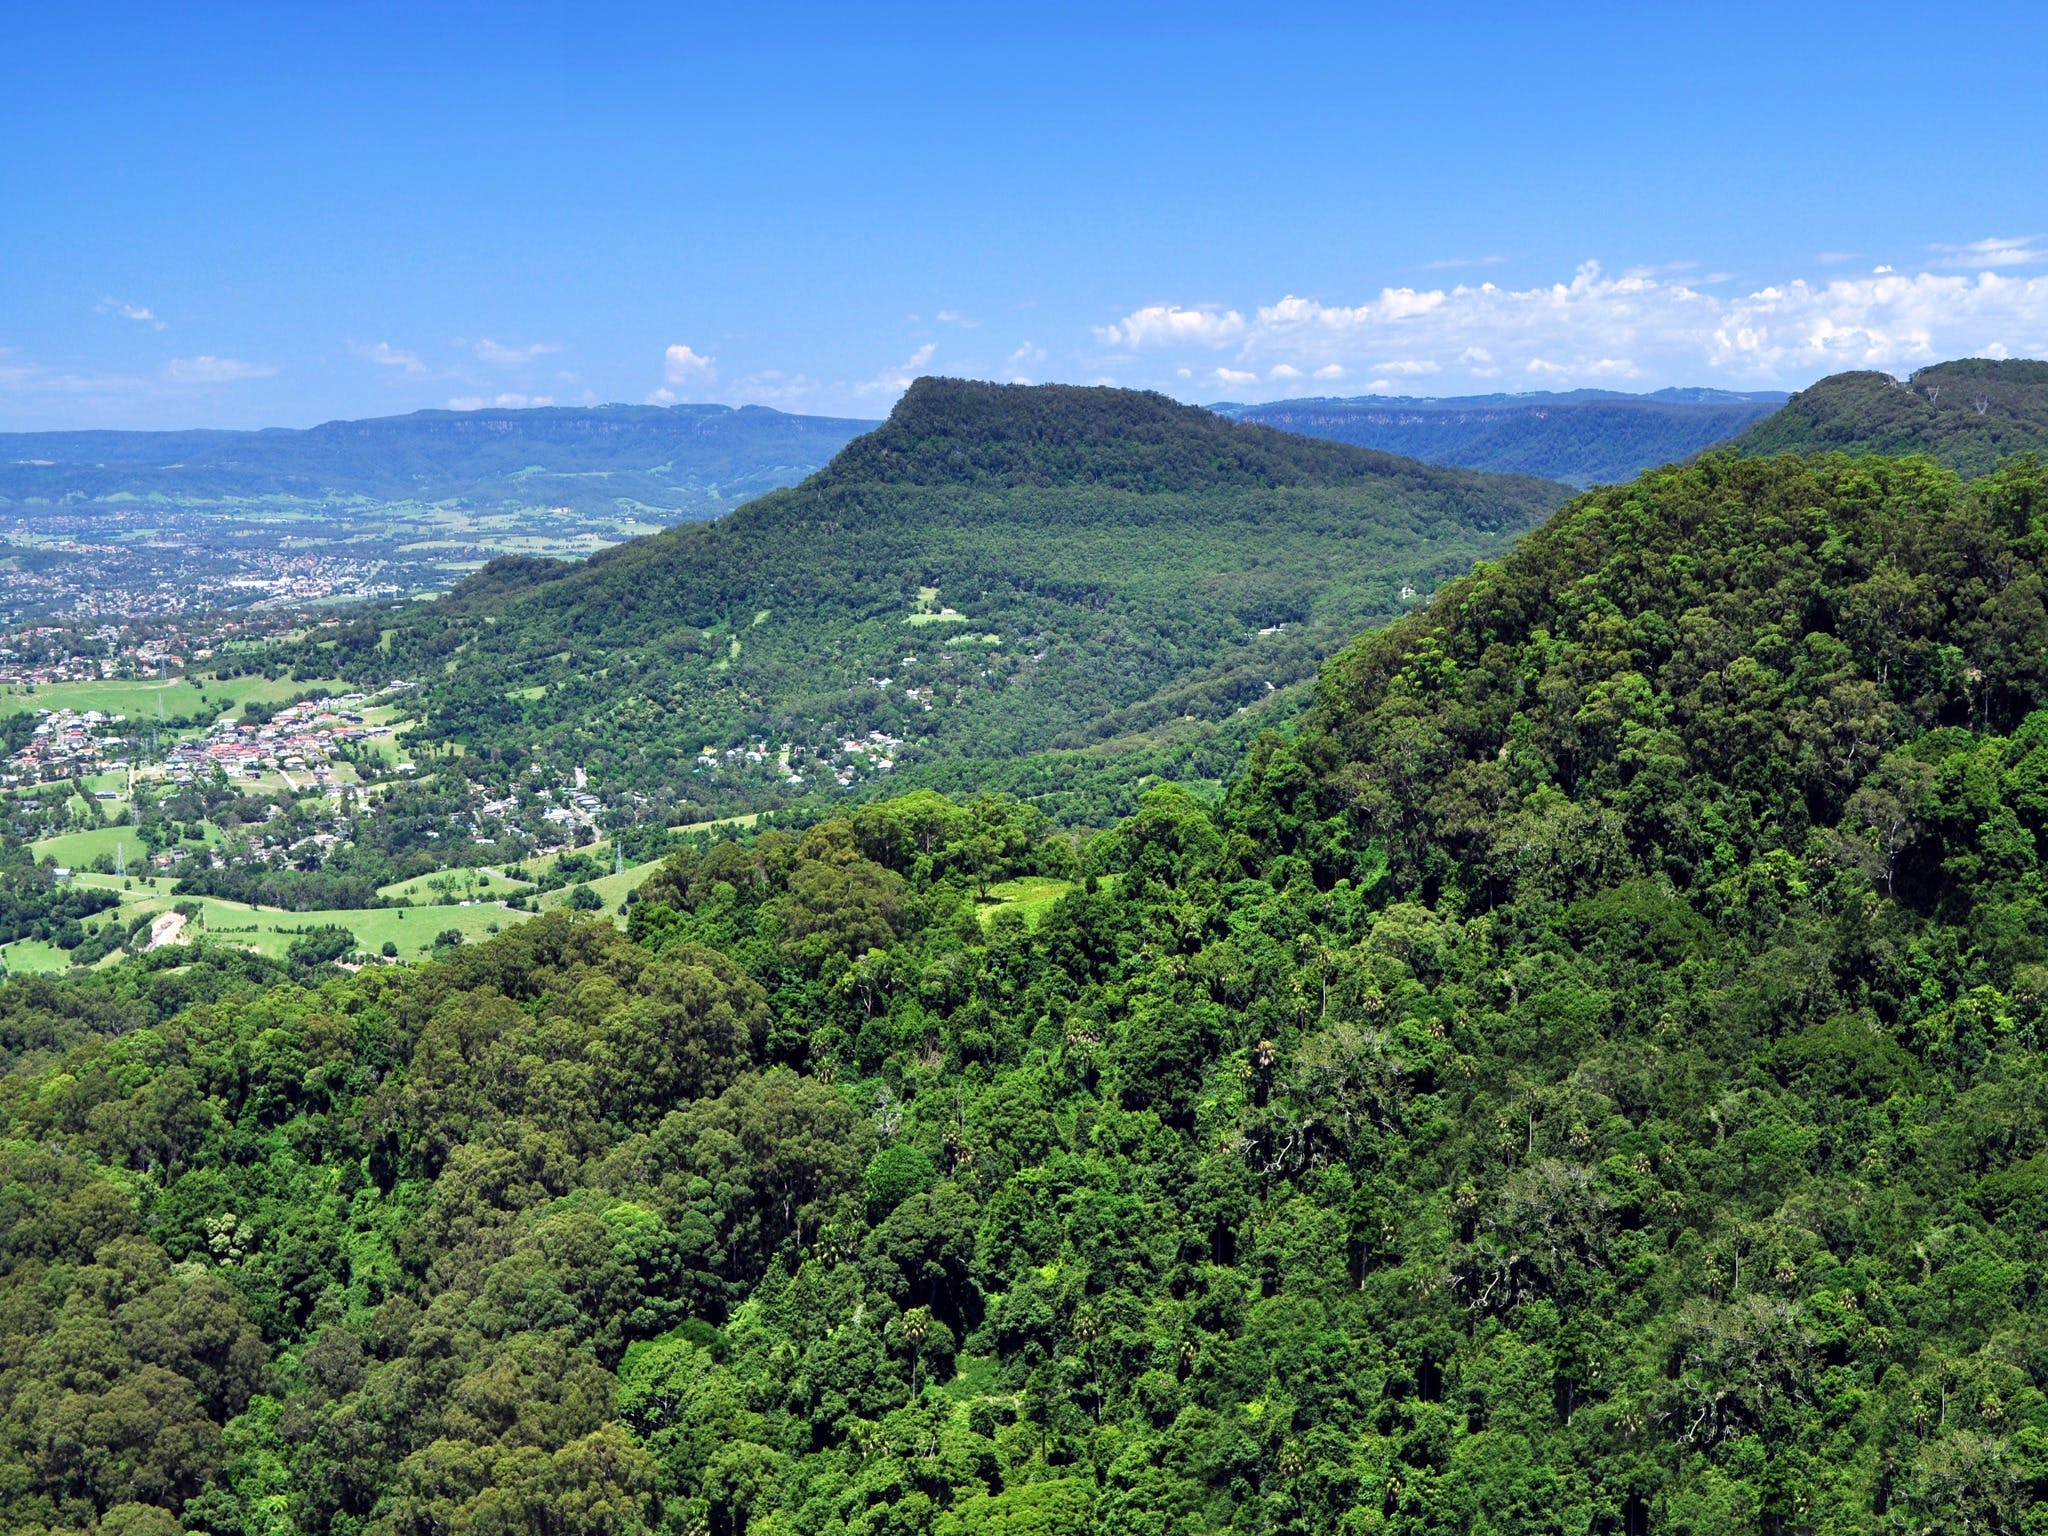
<point x="1971" y="414"/>
<point x="1589" y="1079"/>
<point x="996" y="571"/>
<point x="1582" y="437"/>
<point x="684" y="460"/>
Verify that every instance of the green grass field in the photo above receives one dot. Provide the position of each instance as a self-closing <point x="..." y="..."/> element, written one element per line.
<point x="463" y="884"/>
<point x="1032" y="896"/>
<point x="712" y="826"/>
<point x="612" y="888"/>
<point x="77" y="850"/>
<point x="412" y="929"/>
<point x="33" y="955"/>
<point x="269" y="931"/>
<point x="137" y="699"/>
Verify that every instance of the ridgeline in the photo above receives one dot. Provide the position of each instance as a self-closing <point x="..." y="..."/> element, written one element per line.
<point x="684" y="461"/>
<point x="1972" y="415"/>
<point x="996" y="571"/>
<point x="1582" y="437"/>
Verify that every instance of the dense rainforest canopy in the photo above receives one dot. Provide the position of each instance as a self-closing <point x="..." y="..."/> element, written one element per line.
<point x="1588" y="1079"/>
<point x="1971" y="414"/>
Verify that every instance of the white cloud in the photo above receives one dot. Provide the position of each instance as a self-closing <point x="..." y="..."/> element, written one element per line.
<point x="771" y="386"/>
<point x="498" y="402"/>
<point x="1650" y="325"/>
<point x="1026" y="356"/>
<point x="1978" y="255"/>
<point x="1330" y="371"/>
<point x="101" y="397"/>
<point x="684" y="365"/>
<point x="386" y="355"/>
<point x="1585" y="368"/>
<point x="893" y="381"/>
<point x="206" y="369"/>
<point x="1169" y="324"/>
<point x="19" y="375"/>
<point x="141" y="313"/>
<point x="955" y="317"/>
<point x="504" y="356"/>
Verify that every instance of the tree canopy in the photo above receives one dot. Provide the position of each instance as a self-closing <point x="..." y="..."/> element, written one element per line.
<point x="1587" y="1079"/>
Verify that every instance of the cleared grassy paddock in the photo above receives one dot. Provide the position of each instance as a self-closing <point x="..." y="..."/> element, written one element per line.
<point x="462" y="884"/>
<point x="1031" y="896"/>
<point x="612" y="888"/>
<point x="137" y="697"/>
<point x="269" y="931"/>
<point x="77" y="850"/>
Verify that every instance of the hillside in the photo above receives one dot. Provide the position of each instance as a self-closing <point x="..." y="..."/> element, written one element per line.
<point x="996" y="571"/>
<point x="1588" y="1080"/>
<point x="1583" y="437"/>
<point x="680" y="461"/>
<point x="1971" y="414"/>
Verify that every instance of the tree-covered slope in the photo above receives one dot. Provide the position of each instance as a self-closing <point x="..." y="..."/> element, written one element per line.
<point x="1583" y="437"/>
<point x="1588" y="1080"/>
<point x="1971" y="414"/>
<point x="687" y="460"/>
<point x="995" y="571"/>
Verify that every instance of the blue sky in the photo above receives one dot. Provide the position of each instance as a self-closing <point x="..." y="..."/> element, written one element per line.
<point x="283" y="214"/>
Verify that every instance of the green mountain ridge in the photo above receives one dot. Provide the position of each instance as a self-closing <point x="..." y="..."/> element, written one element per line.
<point x="1041" y="566"/>
<point x="1971" y="414"/>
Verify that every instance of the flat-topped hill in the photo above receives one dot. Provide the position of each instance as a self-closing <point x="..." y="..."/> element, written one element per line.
<point x="1037" y="565"/>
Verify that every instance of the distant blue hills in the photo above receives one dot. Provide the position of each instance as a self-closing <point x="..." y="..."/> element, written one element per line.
<point x="681" y="462"/>
<point x="1581" y="436"/>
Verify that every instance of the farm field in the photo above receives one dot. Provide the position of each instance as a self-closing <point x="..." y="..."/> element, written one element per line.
<point x="33" y="955"/>
<point x="464" y="884"/>
<point x="612" y="888"/>
<point x="77" y="850"/>
<point x="270" y="931"/>
<point x="137" y="697"/>
<point x="724" y="821"/>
